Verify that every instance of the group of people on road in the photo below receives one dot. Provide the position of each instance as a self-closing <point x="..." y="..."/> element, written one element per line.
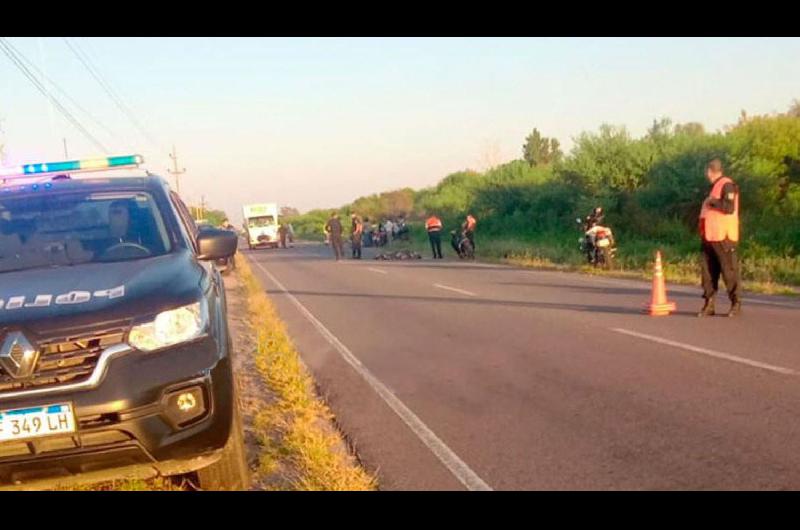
<point x="718" y="229"/>
<point x="361" y="231"/>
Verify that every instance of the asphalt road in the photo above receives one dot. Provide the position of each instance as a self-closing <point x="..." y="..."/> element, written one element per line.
<point x="453" y="375"/>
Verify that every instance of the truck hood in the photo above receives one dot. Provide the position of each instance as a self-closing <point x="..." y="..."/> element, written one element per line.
<point x="93" y="294"/>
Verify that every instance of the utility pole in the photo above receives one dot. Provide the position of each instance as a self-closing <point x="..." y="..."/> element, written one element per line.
<point x="66" y="154"/>
<point x="202" y="207"/>
<point x="175" y="171"/>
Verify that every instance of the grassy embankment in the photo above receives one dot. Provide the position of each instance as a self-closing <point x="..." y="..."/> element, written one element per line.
<point x="295" y="430"/>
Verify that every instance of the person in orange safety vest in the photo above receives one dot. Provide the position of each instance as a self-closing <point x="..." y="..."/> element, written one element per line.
<point x="719" y="231"/>
<point x="434" y="227"/>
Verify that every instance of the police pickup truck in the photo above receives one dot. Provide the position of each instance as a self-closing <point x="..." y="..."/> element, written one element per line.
<point x="115" y="355"/>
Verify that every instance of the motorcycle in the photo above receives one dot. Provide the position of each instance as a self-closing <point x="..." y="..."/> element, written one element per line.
<point x="462" y="245"/>
<point x="598" y="245"/>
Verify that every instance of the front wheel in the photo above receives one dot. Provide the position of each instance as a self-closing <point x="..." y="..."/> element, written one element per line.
<point x="229" y="473"/>
<point x="605" y="259"/>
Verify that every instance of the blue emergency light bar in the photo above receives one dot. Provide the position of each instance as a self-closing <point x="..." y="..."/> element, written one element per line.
<point x="29" y="171"/>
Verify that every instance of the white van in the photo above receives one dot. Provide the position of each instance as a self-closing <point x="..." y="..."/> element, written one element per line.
<point x="261" y="225"/>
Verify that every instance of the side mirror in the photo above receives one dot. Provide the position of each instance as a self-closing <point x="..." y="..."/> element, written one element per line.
<point x="213" y="244"/>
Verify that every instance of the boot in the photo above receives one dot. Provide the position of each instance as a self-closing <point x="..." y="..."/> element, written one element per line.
<point x="736" y="307"/>
<point x="708" y="308"/>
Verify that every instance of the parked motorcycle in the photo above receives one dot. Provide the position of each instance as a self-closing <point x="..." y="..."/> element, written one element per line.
<point x="598" y="245"/>
<point x="462" y="245"/>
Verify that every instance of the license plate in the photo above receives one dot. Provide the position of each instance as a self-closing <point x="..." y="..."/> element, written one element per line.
<point x="34" y="422"/>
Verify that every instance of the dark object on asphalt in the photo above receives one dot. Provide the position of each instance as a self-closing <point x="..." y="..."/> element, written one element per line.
<point x="399" y="255"/>
<point x="125" y="360"/>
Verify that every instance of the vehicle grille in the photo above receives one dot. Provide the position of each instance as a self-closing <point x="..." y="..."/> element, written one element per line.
<point x="64" y="361"/>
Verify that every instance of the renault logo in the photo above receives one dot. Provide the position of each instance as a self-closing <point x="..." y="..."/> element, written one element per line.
<point x="18" y="355"/>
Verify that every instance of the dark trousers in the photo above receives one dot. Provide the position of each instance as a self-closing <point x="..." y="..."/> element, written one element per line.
<point x="338" y="246"/>
<point x="436" y="243"/>
<point x="356" y="247"/>
<point x="720" y="258"/>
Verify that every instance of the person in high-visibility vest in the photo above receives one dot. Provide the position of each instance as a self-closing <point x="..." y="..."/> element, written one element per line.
<point x="719" y="230"/>
<point x="434" y="227"/>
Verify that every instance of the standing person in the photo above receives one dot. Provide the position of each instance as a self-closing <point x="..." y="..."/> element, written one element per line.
<point x="719" y="231"/>
<point x="282" y="231"/>
<point x="389" y="227"/>
<point x="434" y="227"/>
<point x="367" y="232"/>
<point x="356" y="232"/>
<point x="334" y="230"/>
<point x="290" y="230"/>
<point x="469" y="228"/>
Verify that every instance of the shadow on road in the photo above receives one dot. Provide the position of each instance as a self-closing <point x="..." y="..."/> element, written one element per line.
<point x="598" y="289"/>
<point x="471" y="301"/>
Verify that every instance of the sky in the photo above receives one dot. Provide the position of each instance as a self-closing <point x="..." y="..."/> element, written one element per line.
<point x="318" y="122"/>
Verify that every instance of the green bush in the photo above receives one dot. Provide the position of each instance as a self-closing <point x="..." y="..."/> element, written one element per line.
<point x="651" y="187"/>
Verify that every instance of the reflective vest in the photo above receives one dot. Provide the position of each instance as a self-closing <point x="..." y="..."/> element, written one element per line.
<point x="471" y="222"/>
<point x="717" y="225"/>
<point x="433" y="224"/>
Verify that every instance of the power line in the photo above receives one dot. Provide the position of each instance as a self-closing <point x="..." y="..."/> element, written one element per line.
<point x="15" y="58"/>
<point x="95" y="73"/>
<point x="63" y="92"/>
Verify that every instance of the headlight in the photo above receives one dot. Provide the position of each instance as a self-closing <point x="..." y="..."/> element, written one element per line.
<point x="170" y="327"/>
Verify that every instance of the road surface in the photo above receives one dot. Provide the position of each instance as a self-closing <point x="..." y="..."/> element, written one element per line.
<point x="449" y="375"/>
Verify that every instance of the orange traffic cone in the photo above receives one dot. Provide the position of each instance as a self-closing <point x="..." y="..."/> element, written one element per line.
<point x="659" y="306"/>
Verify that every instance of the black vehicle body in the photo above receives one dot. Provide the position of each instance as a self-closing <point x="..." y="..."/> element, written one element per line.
<point x="121" y="395"/>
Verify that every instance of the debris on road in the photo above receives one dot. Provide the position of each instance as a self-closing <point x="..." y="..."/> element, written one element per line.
<point x="398" y="255"/>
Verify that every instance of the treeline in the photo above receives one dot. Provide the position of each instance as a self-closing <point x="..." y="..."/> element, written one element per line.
<point x="651" y="186"/>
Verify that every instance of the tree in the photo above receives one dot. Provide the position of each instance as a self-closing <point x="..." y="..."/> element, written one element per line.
<point x="794" y="110"/>
<point x="288" y="211"/>
<point x="691" y="128"/>
<point x="213" y="217"/>
<point x="660" y="130"/>
<point x="539" y="150"/>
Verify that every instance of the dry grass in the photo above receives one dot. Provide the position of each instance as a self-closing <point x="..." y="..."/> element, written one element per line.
<point x="301" y="448"/>
<point x="156" y="484"/>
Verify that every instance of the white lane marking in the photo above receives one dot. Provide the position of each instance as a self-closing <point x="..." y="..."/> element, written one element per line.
<point x="705" y="351"/>
<point x="461" y="291"/>
<point x="379" y="271"/>
<point x="446" y="456"/>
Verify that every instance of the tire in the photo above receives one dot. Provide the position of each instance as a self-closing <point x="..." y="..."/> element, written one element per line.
<point x="608" y="260"/>
<point x="466" y="250"/>
<point x="229" y="473"/>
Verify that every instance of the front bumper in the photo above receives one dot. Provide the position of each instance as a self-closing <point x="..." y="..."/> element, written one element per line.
<point x="123" y="429"/>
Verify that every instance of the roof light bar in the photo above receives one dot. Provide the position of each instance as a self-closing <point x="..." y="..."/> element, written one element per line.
<point x="71" y="166"/>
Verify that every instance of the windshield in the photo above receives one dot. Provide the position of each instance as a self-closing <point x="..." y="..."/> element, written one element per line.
<point x="258" y="222"/>
<point x="76" y="228"/>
